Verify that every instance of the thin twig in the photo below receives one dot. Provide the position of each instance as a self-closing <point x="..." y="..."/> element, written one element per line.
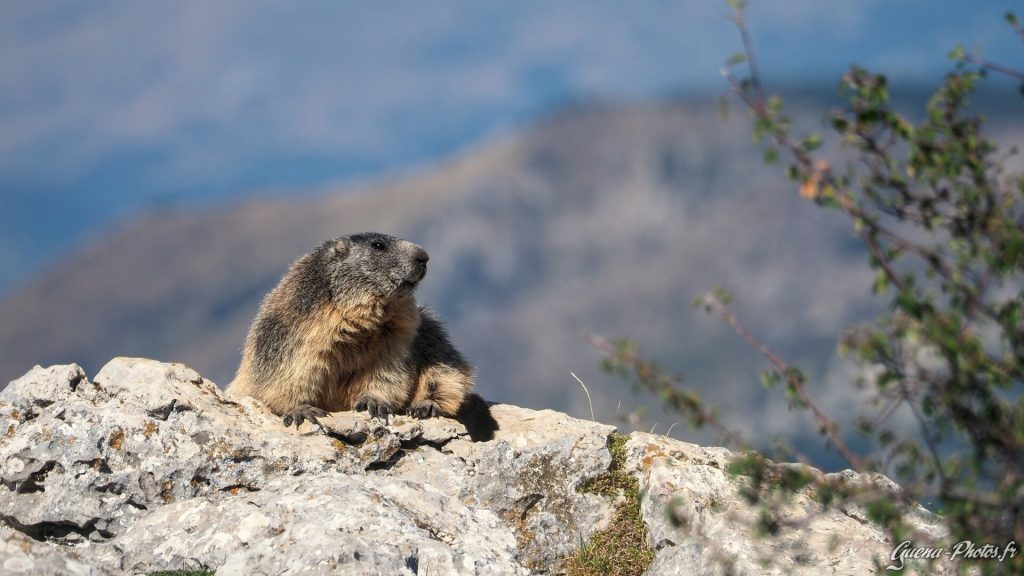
<point x="988" y="65"/>
<point x="926" y="434"/>
<point x="876" y="251"/>
<point x="573" y="374"/>
<point x="700" y="413"/>
<point x="827" y="425"/>
<point x="748" y="48"/>
<point x="887" y="412"/>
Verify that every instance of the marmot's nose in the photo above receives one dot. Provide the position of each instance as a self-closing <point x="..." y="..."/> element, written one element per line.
<point x="420" y="255"/>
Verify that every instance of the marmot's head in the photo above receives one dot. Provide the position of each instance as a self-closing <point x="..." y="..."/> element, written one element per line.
<point x="373" y="263"/>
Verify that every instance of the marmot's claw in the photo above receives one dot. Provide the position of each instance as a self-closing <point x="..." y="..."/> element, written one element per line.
<point x="302" y="413"/>
<point x="424" y="409"/>
<point x="376" y="408"/>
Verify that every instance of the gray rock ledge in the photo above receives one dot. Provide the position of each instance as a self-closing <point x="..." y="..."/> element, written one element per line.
<point x="148" y="466"/>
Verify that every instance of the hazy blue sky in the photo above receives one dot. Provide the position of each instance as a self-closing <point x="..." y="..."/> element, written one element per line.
<point x="107" y="108"/>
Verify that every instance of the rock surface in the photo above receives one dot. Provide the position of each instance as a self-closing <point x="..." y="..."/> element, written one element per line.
<point x="148" y="467"/>
<point x="693" y="480"/>
<point x="21" y="555"/>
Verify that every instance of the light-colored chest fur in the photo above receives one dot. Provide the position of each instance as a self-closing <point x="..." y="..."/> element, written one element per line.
<point x="359" y="348"/>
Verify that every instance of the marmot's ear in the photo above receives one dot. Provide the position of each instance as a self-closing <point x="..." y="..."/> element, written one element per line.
<point x="341" y="247"/>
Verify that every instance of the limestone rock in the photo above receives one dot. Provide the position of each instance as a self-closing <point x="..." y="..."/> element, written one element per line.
<point x="693" y="481"/>
<point x="333" y="524"/>
<point x="82" y="460"/>
<point x="148" y="466"/>
<point x="21" y="555"/>
<point x="528" y="475"/>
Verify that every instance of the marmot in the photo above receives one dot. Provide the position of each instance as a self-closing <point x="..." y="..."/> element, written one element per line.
<point x="341" y="330"/>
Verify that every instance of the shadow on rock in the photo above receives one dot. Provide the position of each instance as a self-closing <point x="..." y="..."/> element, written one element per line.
<point x="475" y="415"/>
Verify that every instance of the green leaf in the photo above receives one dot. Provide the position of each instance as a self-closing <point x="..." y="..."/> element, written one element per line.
<point x="880" y="284"/>
<point x="811" y="143"/>
<point x="735" y="59"/>
<point x="722" y="295"/>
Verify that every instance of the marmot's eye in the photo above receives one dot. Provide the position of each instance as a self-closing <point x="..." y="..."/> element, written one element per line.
<point x="378" y="245"/>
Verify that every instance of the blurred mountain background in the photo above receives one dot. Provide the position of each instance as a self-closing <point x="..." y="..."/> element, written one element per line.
<point x="565" y="165"/>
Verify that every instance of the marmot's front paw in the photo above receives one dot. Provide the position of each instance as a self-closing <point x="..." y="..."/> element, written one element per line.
<point x="424" y="409"/>
<point x="304" y="412"/>
<point x="376" y="408"/>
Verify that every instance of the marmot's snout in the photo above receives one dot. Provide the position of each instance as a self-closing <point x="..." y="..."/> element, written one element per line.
<point x="420" y="257"/>
<point x="419" y="265"/>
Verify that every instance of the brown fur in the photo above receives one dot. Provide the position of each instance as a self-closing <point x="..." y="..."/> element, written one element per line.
<point x="365" y="345"/>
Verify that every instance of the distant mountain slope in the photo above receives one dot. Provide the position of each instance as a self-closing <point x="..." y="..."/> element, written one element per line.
<point x="604" y="218"/>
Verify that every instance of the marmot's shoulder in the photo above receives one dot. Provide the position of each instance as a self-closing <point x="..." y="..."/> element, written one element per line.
<point x="432" y="338"/>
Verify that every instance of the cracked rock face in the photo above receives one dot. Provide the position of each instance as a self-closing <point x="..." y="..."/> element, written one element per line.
<point x="149" y="467"/>
<point x="693" y="479"/>
<point x="333" y="524"/>
<point x="84" y="459"/>
<point x="21" y="555"/>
